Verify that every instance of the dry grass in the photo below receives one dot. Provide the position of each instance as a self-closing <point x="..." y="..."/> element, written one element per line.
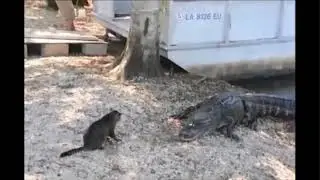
<point x="63" y="95"/>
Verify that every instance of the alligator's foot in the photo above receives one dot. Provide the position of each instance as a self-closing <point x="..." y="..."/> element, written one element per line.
<point x="254" y="125"/>
<point x="229" y="134"/>
<point x="235" y="138"/>
<point x="230" y="128"/>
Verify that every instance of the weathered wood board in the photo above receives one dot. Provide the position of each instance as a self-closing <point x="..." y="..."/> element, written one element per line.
<point x="58" y="34"/>
<point x="57" y="42"/>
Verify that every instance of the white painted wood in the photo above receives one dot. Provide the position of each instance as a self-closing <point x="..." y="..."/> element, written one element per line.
<point x="196" y="22"/>
<point x="289" y="20"/>
<point x="252" y="20"/>
<point x="58" y="34"/>
<point x="57" y="41"/>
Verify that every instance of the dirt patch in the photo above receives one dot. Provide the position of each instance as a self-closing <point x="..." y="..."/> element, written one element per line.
<point x="63" y="95"/>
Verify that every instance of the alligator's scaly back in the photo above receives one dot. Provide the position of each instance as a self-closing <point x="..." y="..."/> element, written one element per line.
<point x="219" y="113"/>
<point x="261" y="105"/>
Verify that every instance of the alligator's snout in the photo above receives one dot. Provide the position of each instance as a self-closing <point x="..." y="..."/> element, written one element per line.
<point x="190" y="134"/>
<point x="183" y="136"/>
<point x="200" y="124"/>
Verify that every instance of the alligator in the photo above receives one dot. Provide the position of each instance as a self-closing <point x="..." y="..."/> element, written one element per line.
<point x="223" y="112"/>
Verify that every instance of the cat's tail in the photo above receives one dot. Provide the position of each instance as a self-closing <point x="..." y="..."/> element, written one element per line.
<point x="72" y="151"/>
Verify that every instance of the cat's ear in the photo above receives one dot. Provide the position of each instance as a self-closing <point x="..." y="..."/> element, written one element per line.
<point x="111" y="109"/>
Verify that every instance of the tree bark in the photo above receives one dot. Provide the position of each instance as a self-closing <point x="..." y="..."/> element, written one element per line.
<point x="140" y="56"/>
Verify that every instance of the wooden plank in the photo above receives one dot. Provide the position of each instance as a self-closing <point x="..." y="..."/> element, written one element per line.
<point x="60" y="47"/>
<point x="55" y="50"/>
<point x="94" y="49"/>
<point x="58" y="34"/>
<point x="119" y="26"/>
<point x="57" y="41"/>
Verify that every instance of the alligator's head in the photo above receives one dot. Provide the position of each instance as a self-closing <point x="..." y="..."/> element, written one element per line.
<point x="195" y="126"/>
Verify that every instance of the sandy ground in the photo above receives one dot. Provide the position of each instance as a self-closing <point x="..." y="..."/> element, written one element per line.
<point x="63" y="95"/>
<point x="38" y="17"/>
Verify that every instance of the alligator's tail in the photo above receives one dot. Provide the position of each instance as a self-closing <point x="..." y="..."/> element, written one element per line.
<point x="270" y="105"/>
<point x="72" y="151"/>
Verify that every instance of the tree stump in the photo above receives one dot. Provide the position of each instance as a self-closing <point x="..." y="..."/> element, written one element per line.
<point x="141" y="54"/>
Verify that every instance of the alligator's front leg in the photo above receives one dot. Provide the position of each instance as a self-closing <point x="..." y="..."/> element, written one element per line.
<point x="227" y="130"/>
<point x="251" y="121"/>
<point x="254" y="125"/>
